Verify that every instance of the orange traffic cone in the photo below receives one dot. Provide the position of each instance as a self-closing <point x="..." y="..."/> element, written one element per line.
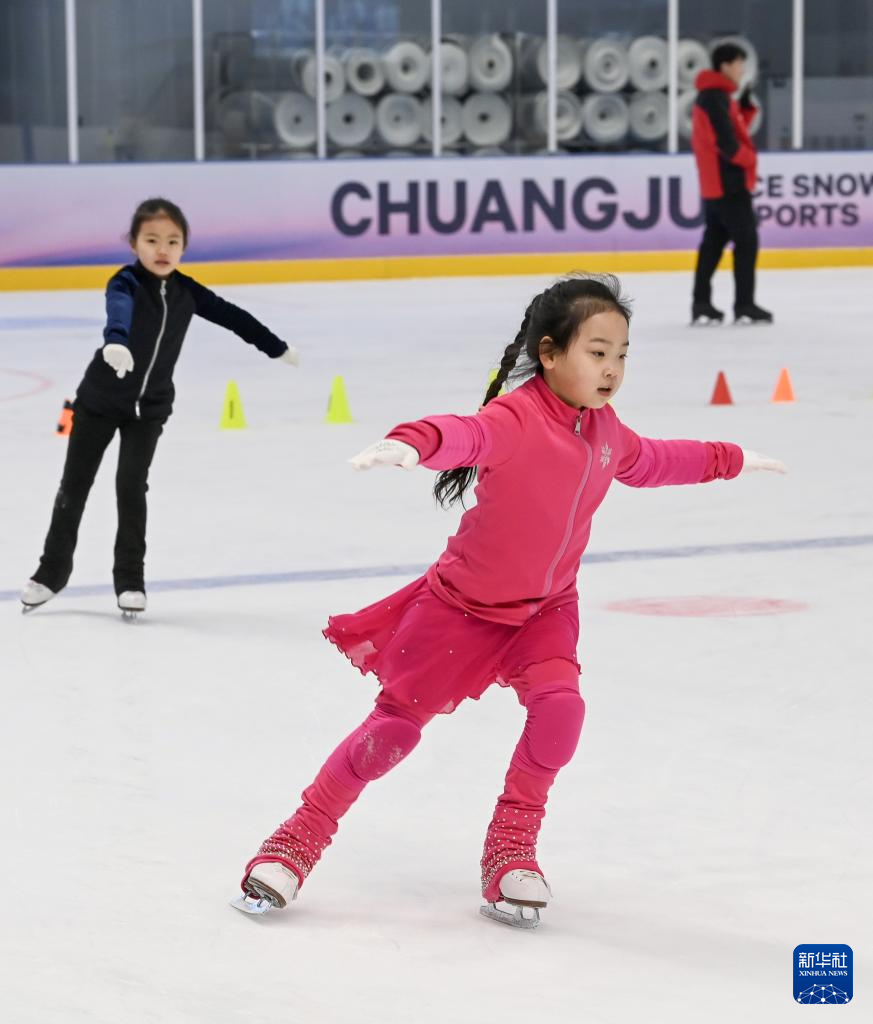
<point x="65" y="422"/>
<point x="784" y="391"/>
<point x="721" y="393"/>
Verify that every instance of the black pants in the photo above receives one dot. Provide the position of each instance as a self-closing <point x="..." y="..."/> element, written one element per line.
<point x="88" y="441"/>
<point x="730" y="219"/>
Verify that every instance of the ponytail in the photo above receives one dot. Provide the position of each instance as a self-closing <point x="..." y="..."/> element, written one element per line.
<point x="451" y="484"/>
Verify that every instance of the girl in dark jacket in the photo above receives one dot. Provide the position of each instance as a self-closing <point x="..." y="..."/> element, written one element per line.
<point x="128" y="387"/>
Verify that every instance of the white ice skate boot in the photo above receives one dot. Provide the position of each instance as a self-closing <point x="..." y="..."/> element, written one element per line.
<point x="270" y="884"/>
<point x="131" y="603"/>
<point x="525" y="893"/>
<point x="35" y="594"/>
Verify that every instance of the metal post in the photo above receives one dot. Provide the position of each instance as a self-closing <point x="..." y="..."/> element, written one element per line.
<point x="72" y="82"/>
<point x="320" y="125"/>
<point x="552" y="76"/>
<point x="197" y="60"/>
<point x="797" y="76"/>
<point x="672" y="76"/>
<point x="436" y="75"/>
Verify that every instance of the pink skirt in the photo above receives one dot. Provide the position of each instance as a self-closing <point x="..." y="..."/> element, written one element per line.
<point x="430" y="655"/>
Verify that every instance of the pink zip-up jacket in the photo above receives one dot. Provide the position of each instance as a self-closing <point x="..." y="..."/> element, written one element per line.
<point x="544" y="468"/>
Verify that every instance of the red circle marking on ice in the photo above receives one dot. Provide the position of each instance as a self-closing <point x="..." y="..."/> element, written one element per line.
<point x="702" y="607"/>
<point x="41" y="384"/>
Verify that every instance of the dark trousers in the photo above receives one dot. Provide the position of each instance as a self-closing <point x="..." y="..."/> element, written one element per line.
<point x="88" y="441"/>
<point x="730" y="219"/>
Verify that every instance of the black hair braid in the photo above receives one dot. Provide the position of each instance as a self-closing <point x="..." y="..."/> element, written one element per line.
<point x="510" y="357"/>
<point x="451" y="484"/>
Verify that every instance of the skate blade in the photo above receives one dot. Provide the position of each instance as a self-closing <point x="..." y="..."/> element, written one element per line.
<point x="515" y="919"/>
<point x="26" y="609"/>
<point x="253" y="905"/>
<point x="128" y="615"/>
<point x="706" y="321"/>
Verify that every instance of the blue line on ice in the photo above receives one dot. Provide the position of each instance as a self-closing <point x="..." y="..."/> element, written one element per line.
<point x="411" y="571"/>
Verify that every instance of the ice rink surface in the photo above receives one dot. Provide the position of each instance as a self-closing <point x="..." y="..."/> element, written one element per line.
<point x="717" y="813"/>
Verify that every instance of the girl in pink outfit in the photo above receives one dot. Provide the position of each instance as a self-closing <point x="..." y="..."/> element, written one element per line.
<point x="500" y="603"/>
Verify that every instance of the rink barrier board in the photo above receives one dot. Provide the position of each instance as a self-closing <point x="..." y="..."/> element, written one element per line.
<point x="387" y="268"/>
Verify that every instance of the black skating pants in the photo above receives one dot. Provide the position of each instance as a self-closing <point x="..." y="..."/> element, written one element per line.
<point x="88" y="441"/>
<point x="730" y="219"/>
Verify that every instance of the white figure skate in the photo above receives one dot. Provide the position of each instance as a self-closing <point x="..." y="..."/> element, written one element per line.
<point x="269" y="885"/>
<point x="33" y="595"/>
<point x="524" y="893"/>
<point x="131" y="603"/>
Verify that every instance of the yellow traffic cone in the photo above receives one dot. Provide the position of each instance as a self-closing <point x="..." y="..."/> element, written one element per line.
<point x="232" y="415"/>
<point x="338" y="410"/>
<point x="492" y="376"/>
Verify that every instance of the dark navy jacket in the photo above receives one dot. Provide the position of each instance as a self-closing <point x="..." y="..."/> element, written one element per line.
<point x="150" y="315"/>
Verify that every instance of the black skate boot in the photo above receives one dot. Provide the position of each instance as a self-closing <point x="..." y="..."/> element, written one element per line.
<point x="752" y="314"/>
<point x="704" y="313"/>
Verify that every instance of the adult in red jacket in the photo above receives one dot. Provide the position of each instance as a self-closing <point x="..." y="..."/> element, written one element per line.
<point x="727" y="164"/>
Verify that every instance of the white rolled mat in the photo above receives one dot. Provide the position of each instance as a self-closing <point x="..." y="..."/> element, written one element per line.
<point x="533" y="116"/>
<point x="491" y="64"/>
<point x="487" y="119"/>
<point x="534" y="62"/>
<point x="648" y="116"/>
<point x="407" y="66"/>
<point x="246" y="116"/>
<point x="683" y="109"/>
<point x="334" y="76"/>
<point x="750" y="72"/>
<point x="364" y="72"/>
<point x="648" y="64"/>
<point x="606" y="65"/>
<point x="399" y="119"/>
<point x="452" y="120"/>
<point x="349" y="121"/>
<point x="454" y="68"/>
<point x="606" y="118"/>
<point x="488" y="151"/>
<point x="294" y="120"/>
<point x="692" y="58"/>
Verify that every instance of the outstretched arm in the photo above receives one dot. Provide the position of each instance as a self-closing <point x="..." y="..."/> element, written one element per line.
<point x="219" y="311"/>
<point x="647" y="462"/>
<point x="448" y="442"/>
<point x="119" y="311"/>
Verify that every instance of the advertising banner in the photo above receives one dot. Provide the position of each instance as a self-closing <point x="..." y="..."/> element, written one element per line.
<point x="62" y="215"/>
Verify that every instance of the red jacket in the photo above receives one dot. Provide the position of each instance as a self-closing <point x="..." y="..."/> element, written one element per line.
<point x="726" y="156"/>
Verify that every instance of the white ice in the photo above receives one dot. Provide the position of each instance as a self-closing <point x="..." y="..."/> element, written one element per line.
<point x="717" y="813"/>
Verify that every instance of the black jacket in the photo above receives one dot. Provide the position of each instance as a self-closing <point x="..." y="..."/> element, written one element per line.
<point x="150" y="315"/>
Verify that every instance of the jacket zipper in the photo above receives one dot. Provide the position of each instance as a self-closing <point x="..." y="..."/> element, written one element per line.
<point x="568" y="532"/>
<point x="145" y="380"/>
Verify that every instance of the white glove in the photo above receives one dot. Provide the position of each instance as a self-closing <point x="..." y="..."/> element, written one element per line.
<point x="291" y="355"/>
<point x="386" y="453"/>
<point x="754" y="461"/>
<point x="119" y="358"/>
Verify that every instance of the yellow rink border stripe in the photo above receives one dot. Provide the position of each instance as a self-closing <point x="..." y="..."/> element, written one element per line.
<point x="376" y="268"/>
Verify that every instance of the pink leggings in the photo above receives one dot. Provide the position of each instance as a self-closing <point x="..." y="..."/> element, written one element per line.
<point x="548" y="690"/>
